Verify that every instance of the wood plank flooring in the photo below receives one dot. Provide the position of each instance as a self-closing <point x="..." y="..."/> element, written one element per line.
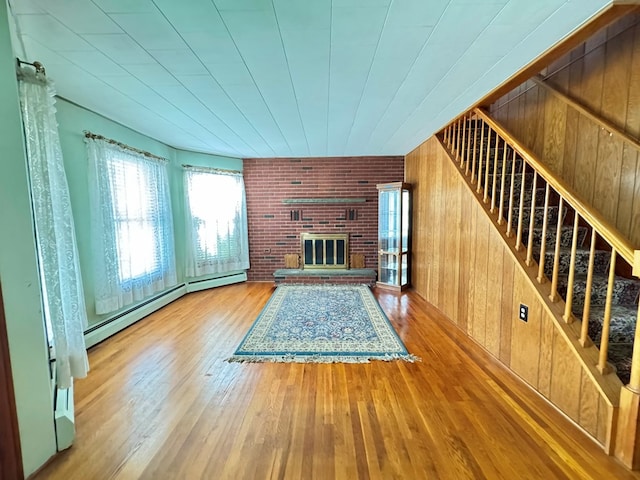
<point x="161" y="403"/>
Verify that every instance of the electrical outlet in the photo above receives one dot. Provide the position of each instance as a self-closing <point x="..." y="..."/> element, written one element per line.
<point x="524" y="312"/>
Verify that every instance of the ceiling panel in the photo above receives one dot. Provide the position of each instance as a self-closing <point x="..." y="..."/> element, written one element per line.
<point x="81" y="16"/>
<point x="412" y="13"/>
<point x="201" y="16"/>
<point x="179" y="62"/>
<point x="287" y="77"/>
<point x="152" y="74"/>
<point x="125" y="6"/>
<point x="49" y="31"/>
<point x="120" y="48"/>
<point x="296" y="15"/>
<point x="150" y="30"/>
<point x="243" y="4"/>
<point x="94" y="62"/>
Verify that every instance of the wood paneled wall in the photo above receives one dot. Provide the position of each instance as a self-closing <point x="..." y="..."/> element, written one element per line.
<point x="462" y="266"/>
<point x="602" y="74"/>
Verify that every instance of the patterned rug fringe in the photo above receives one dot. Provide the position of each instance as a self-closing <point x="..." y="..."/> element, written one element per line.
<point x="320" y="358"/>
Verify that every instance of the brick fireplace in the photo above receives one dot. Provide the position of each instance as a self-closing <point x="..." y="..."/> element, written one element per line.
<point x="289" y="196"/>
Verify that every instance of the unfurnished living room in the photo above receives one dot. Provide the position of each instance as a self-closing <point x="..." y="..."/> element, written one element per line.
<point x="349" y="239"/>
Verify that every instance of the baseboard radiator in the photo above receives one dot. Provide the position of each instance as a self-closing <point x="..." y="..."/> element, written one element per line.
<point x="113" y="325"/>
<point x="64" y="418"/>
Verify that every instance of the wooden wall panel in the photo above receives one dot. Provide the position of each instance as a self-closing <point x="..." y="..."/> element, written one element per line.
<point x="553" y="133"/>
<point x="525" y="336"/>
<point x="413" y="169"/>
<point x="451" y="247"/>
<point x="494" y="294"/>
<point x="603" y="74"/>
<point x="570" y="145"/>
<point x="462" y="266"/>
<point x="545" y="359"/>
<point x="589" y="397"/>
<point x="565" y="379"/>
<point x="509" y="312"/>
<point x="466" y="250"/>
<point x="604" y="413"/>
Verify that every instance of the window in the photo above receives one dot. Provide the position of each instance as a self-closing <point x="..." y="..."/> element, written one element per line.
<point x="132" y="225"/>
<point x="217" y="239"/>
<point x="134" y="220"/>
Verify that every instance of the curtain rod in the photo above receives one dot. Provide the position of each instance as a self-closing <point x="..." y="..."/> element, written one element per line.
<point x="124" y="146"/>
<point x="37" y="65"/>
<point x="212" y="169"/>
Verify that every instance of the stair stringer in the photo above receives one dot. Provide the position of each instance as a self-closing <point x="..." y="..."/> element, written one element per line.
<point x="608" y="386"/>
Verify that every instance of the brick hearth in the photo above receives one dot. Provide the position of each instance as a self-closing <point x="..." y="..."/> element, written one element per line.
<point x="359" y="276"/>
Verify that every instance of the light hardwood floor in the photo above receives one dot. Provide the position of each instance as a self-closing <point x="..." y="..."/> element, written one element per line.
<point x="160" y="402"/>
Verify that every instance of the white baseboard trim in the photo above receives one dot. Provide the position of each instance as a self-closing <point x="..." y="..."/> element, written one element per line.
<point x="216" y="282"/>
<point x="114" y="326"/>
<point x="99" y="334"/>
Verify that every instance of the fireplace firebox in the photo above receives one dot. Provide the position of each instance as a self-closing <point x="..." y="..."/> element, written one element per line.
<point x="328" y="250"/>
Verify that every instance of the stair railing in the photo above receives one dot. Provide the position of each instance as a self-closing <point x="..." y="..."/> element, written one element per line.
<point x="488" y="156"/>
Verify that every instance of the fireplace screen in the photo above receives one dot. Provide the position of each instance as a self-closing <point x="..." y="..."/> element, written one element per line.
<point x="325" y="250"/>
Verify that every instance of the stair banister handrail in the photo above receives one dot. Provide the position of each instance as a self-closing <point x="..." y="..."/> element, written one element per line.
<point x="611" y="234"/>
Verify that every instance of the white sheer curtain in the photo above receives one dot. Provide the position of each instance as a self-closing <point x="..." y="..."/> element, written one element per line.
<point x="216" y="214"/>
<point x="64" y="305"/>
<point x="132" y="225"/>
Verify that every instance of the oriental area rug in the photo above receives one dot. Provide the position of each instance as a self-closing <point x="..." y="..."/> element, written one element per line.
<point x="321" y="324"/>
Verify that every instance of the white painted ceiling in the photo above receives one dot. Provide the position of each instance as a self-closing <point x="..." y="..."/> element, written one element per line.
<point x="265" y="78"/>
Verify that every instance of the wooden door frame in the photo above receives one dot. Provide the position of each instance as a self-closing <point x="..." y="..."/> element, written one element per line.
<point x="11" y="466"/>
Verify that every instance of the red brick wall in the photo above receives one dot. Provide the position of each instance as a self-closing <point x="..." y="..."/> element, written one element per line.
<point x="273" y="233"/>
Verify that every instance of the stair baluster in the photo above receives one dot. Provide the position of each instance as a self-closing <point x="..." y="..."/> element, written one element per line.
<point x="502" y="184"/>
<point x="468" y="148"/>
<point x="479" y="168"/>
<point x="553" y="296"/>
<point x="511" y="186"/>
<point x="485" y="198"/>
<point x="521" y="209"/>
<point x="458" y="136"/>
<point x="464" y="140"/>
<point x="585" y="341"/>
<point x="603" y="366"/>
<point x="568" y="317"/>
<point x="543" y="244"/>
<point x="495" y="174"/>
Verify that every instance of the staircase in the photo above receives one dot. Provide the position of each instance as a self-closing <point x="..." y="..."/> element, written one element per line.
<point x="484" y="157"/>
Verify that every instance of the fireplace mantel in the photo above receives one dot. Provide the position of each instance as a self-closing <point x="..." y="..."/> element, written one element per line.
<point x="322" y="201"/>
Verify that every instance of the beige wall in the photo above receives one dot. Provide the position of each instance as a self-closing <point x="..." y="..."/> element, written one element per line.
<point x="463" y="267"/>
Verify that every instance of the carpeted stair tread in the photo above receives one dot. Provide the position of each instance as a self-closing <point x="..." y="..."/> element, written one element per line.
<point x="552" y="216"/>
<point x="620" y="357"/>
<point x="566" y="236"/>
<point x="622" y="327"/>
<point x="601" y="260"/>
<point x="625" y="290"/>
